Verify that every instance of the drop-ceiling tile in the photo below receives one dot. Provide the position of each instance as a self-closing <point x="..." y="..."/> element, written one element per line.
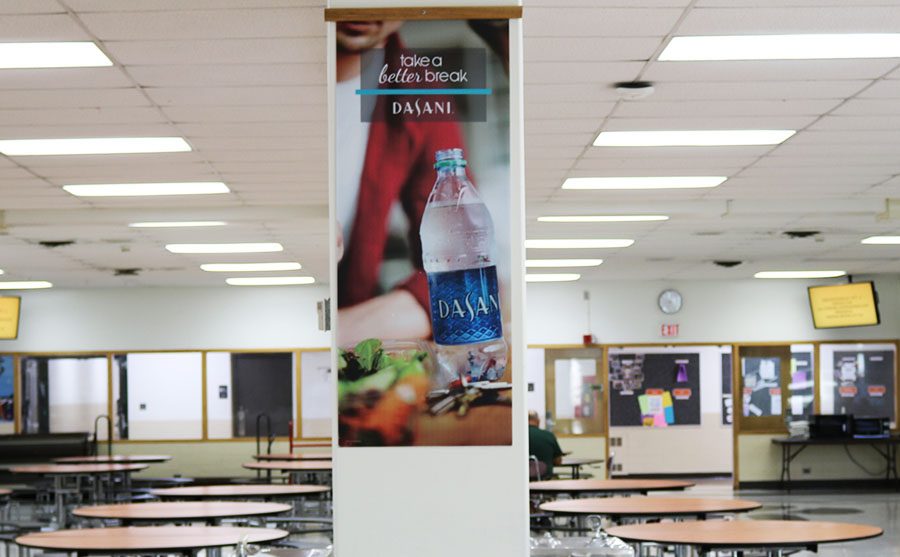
<point x="605" y="73"/>
<point x="239" y="96"/>
<point x="686" y="109"/>
<point x="228" y="75"/>
<point x="231" y="114"/>
<point x="32" y="117"/>
<point x="206" y="24"/>
<point x="66" y="98"/>
<point x="599" y="22"/>
<point x="221" y="51"/>
<point x="179" y="5"/>
<point x="551" y="110"/>
<point x="41" y="28"/>
<point x="813" y="19"/>
<point x="64" y="78"/>
<point x="595" y="49"/>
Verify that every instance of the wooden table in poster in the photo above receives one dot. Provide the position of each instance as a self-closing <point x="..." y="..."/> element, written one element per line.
<point x="771" y="536"/>
<point x="147" y="539"/>
<point x="576" y="463"/>
<point x="293" y="456"/>
<point x="647" y="508"/>
<point x="59" y="471"/>
<point x="239" y="491"/>
<point x="296" y="468"/>
<point x="577" y="487"/>
<point x="210" y="511"/>
<point x="793" y="446"/>
<point x="114" y="459"/>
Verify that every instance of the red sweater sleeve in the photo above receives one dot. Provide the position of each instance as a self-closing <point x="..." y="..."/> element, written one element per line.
<point x="435" y="136"/>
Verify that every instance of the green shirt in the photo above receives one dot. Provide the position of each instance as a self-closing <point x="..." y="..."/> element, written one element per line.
<point x="544" y="446"/>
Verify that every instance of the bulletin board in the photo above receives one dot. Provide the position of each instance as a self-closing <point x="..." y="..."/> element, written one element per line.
<point x="647" y="385"/>
<point x="864" y="383"/>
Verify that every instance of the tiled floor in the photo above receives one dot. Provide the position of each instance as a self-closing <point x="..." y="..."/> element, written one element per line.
<point x="878" y="508"/>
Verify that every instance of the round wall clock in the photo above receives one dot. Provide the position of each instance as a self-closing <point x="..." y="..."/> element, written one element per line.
<point x="670" y="301"/>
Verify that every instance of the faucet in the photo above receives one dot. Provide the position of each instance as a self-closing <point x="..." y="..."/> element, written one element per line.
<point x="109" y="433"/>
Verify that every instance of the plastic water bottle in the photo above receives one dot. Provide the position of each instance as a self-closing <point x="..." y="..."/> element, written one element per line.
<point x="457" y="243"/>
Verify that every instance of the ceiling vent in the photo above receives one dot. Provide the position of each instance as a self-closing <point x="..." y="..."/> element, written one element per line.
<point x="126" y="272"/>
<point x="56" y="244"/>
<point x="727" y="264"/>
<point x="634" y="90"/>
<point x="793" y="234"/>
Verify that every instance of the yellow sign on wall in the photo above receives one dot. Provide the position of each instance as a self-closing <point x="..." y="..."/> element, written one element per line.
<point x="843" y="305"/>
<point x="9" y="317"/>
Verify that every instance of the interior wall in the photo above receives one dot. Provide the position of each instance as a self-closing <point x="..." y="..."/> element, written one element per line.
<point x="713" y="312"/>
<point x="169" y="319"/>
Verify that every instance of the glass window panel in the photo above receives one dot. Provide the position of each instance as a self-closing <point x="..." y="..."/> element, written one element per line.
<point x="801" y="385"/>
<point x="63" y="394"/>
<point x="7" y="393"/>
<point x="858" y="379"/>
<point x="316" y="390"/>
<point x="262" y="393"/>
<point x="761" y="379"/>
<point x="158" y="395"/>
<point x="573" y="392"/>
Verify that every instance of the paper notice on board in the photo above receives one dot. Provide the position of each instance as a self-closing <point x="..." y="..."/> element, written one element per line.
<point x="776" y="401"/>
<point x="796" y="406"/>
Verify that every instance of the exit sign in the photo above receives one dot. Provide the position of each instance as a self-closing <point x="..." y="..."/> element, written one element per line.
<point x="668" y="329"/>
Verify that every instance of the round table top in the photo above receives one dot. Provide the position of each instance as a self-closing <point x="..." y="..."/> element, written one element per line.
<point x="147" y="538"/>
<point x="293" y="456"/>
<point x="114" y="459"/>
<point x="745" y="533"/>
<point x="577" y="461"/>
<point x="649" y="506"/>
<point x="579" y="486"/>
<point x="198" y="510"/>
<point x="290" y="465"/>
<point x="60" y="469"/>
<point x="231" y="491"/>
<point x="5" y="492"/>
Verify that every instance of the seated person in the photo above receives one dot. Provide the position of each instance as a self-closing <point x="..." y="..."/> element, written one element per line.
<point x="543" y="445"/>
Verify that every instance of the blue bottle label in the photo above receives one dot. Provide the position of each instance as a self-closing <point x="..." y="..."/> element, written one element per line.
<point x="465" y="306"/>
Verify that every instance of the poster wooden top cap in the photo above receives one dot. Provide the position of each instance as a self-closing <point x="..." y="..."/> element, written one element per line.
<point x="423" y="13"/>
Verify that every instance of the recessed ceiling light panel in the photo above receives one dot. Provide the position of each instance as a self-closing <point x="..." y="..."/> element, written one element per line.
<point x="578" y="243"/>
<point x="144" y="190"/>
<point x="783" y="47"/>
<point x="51" y="55"/>
<point x="269" y="281"/>
<point x="249" y="267"/>
<point x="245" y="247"/>
<point x="550" y="263"/>
<point x="25" y="285"/>
<point x="178" y="224"/>
<point x="552" y="277"/>
<point x="691" y="138"/>
<point x="799" y="274"/>
<point x="882" y="240"/>
<point x="92" y="146"/>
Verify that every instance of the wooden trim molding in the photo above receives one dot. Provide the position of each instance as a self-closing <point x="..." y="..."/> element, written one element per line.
<point x="423" y="13"/>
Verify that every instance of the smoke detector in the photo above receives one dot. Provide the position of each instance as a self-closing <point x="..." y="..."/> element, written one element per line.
<point x="634" y="90"/>
<point x="793" y="234"/>
<point x="727" y="264"/>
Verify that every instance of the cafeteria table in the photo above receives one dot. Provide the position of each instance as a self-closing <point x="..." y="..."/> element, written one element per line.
<point x="61" y="471"/>
<point x="293" y="456"/>
<point x="648" y="508"/>
<point x="579" y="487"/>
<point x="114" y="459"/>
<point x="210" y="511"/>
<point x="186" y="540"/>
<point x="576" y="463"/>
<point x="240" y="491"/>
<point x="294" y="467"/>
<point x="770" y="536"/>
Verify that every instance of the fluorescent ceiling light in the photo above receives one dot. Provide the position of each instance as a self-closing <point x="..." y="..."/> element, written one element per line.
<point x="25" y="285"/>
<point x="553" y="277"/>
<point x="783" y="47"/>
<point x="92" y="146"/>
<point x="798" y="274"/>
<point x="141" y="190"/>
<point x="604" y="218"/>
<point x="262" y="247"/>
<point x="51" y="55"/>
<point x="563" y="262"/>
<point x="269" y="281"/>
<point x="642" y="183"/>
<point x="178" y="224"/>
<point x="691" y="138"/>
<point x="882" y="240"/>
<point x="578" y="244"/>
<point x="249" y="267"/>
